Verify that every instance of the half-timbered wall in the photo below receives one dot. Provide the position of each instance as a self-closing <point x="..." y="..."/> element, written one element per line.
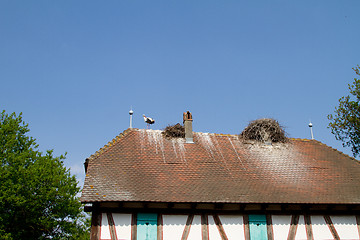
<point x="225" y="227"/>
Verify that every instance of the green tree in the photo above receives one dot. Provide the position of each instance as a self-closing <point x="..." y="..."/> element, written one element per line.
<point x="345" y="123"/>
<point x="38" y="195"/>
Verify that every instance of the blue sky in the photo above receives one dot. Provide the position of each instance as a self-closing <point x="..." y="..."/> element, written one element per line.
<point x="74" y="68"/>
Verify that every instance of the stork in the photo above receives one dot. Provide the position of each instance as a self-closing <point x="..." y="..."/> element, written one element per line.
<point x="148" y="121"/>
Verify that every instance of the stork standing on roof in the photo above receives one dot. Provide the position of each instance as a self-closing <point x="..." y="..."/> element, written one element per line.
<point x="148" y="121"/>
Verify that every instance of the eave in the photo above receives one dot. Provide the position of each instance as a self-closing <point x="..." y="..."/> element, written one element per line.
<point x="223" y="208"/>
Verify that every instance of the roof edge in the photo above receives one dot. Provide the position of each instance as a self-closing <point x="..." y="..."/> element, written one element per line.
<point x="223" y="202"/>
<point x="110" y="143"/>
<point x="338" y="151"/>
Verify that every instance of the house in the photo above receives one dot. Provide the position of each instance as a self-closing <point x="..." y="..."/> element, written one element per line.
<point x="142" y="185"/>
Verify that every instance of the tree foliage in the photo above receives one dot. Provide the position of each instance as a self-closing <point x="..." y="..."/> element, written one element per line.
<point x="345" y="122"/>
<point x="37" y="193"/>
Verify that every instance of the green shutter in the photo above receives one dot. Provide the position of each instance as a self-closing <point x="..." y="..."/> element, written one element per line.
<point x="146" y="226"/>
<point x="257" y="225"/>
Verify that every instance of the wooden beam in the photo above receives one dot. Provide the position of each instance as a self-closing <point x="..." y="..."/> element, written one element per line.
<point x="134" y="226"/>
<point x="204" y="227"/>
<point x="269" y="227"/>
<point x="331" y="227"/>
<point x="242" y="207"/>
<point x="284" y="206"/>
<point x="293" y="227"/>
<point x="111" y="226"/>
<point x="160" y="227"/>
<point x="109" y="205"/>
<point x="264" y="206"/>
<point x="220" y="227"/>
<point x="88" y="208"/>
<point x="253" y="207"/>
<point x="358" y="223"/>
<point x="350" y="207"/>
<point x="95" y="225"/>
<point x="187" y="227"/>
<point x="329" y="207"/>
<point x="219" y="206"/>
<point x="246" y="227"/>
<point x="205" y="206"/>
<point x="308" y="227"/>
<point x="293" y="208"/>
<point x="273" y="207"/>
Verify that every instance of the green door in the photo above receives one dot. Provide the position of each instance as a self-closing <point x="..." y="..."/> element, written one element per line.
<point x="257" y="225"/>
<point x="146" y="226"/>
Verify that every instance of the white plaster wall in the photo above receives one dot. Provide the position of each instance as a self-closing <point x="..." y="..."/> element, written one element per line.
<point x="301" y="230"/>
<point x="281" y="226"/>
<point x="195" y="230"/>
<point x="346" y="227"/>
<point x="122" y="225"/>
<point x="214" y="233"/>
<point x="233" y="226"/>
<point x="173" y="226"/>
<point x="104" y="230"/>
<point x="320" y="228"/>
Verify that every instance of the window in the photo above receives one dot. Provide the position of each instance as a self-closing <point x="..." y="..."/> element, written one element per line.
<point x="257" y="225"/>
<point x="146" y="226"/>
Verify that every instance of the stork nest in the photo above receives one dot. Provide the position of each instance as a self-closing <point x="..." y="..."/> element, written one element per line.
<point x="263" y="130"/>
<point x="174" y="131"/>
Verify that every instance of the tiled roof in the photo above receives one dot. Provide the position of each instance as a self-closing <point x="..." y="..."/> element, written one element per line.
<point x="142" y="165"/>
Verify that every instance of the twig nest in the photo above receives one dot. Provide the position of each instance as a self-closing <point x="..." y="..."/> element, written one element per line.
<point x="264" y="130"/>
<point x="174" y="131"/>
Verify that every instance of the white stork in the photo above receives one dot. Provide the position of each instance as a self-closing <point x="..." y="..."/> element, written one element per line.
<point x="148" y="121"/>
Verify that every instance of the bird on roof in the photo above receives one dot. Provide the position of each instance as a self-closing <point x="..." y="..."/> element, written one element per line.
<point x="148" y="120"/>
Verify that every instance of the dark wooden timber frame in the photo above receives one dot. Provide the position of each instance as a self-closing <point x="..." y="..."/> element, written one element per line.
<point x="204" y="227"/>
<point x="111" y="226"/>
<point x="97" y="221"/>
<point x="269" y="227"/>
<point x="160" y="227"/>
<point x="293" y="227"/>
<point x="224" y="208"/>
<point x="214" y="209"/>
<point x="187" y="227"/>
<point x="220" y="227"/>
<point x="308" y="227"/>
<point x="358" y="223"/>
<point x="246" y="227"/>
<point x="95" y="225"/>
<point x="331" y="227"/>
<point x="133" y="227"/>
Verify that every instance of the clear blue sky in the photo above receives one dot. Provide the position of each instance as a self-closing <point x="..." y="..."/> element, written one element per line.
<point x="74" y="68"/>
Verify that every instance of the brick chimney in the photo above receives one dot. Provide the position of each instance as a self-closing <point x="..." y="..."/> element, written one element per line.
<point x="187" y="120"/>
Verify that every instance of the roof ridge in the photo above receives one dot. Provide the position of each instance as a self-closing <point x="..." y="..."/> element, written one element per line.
<point x="125" y="132"/>
<point x="229" y="134"/>
<point x="302" y="139"/>
<point x="110" y="143"/>
<point x="220" y="134"/>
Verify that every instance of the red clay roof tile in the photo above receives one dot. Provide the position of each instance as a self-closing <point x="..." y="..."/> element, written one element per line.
<point x="142" y="165"/>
